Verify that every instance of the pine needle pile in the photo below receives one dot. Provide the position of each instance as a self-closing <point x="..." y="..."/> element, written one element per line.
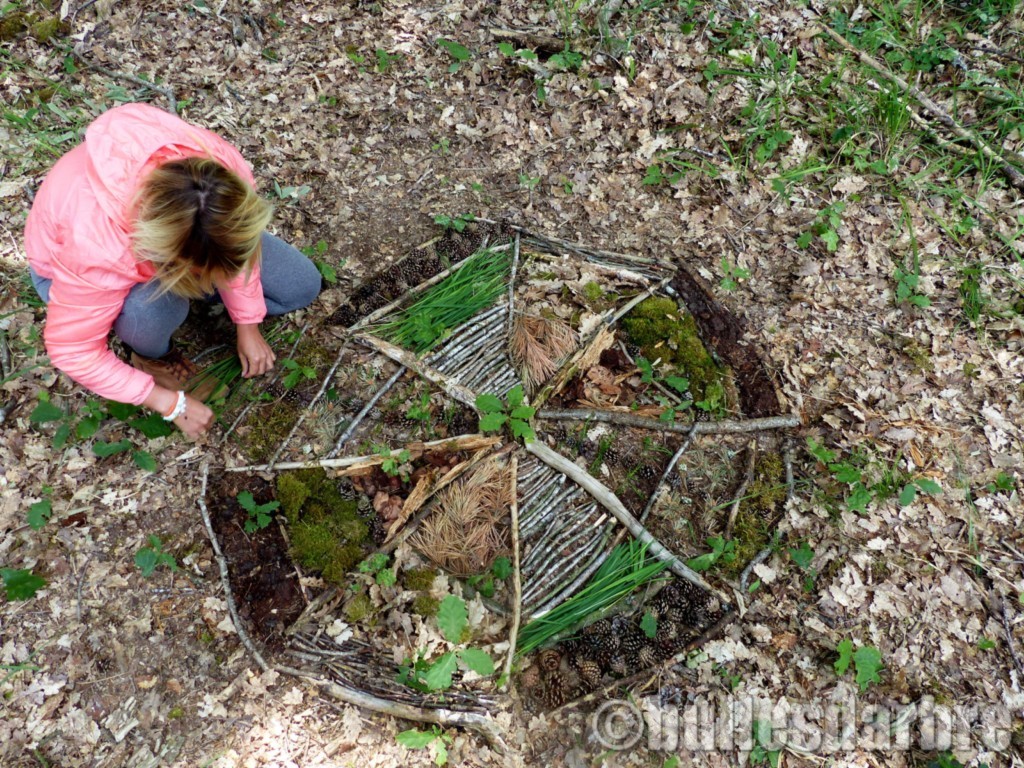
<point x="537" y="346"/>
<point x="467" y="529"/>
<point x="453" y="301"/>
<point x="626" y="569"/>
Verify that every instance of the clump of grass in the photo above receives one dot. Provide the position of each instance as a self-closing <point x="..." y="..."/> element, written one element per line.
<point x="453" y="301"/>
<point x="626" y="569"/>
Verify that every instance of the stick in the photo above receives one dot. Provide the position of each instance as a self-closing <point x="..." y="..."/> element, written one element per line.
<point x="1012" y="173"/>
<point x="409" y="360"/>
<point x="741" y="492"/>
<point x="167" y="93"/>
<point x="512" y="279"/>
<point x="225" y="581"/>
<point x="312" y="404"/>
<point x="668" y="471"/>
<point x="448" y="718"/>
<point x="457" y="443"/>
<point x="558" y="596"/>
<point x="724" y="427"/>
<point x="517" y="581"/>
<point x="611" y="502"/>
<point x="365" y="410"/>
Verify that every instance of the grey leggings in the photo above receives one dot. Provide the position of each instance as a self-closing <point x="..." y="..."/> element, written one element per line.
<point x="290" y="281"/>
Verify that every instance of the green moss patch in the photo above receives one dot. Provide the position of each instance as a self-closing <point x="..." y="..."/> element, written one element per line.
<point x="662" y="330"/>
<point x="755" y="520"/>
<point x="328" y="535"/>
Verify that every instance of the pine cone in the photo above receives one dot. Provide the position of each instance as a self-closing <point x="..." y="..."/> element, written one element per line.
<point x="590" y="673"/>
<point x="549" y="660"/>
<point x="647" y="656"/>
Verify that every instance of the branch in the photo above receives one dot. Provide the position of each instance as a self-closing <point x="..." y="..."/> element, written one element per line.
<point x="444" y="717"/>
<point x="517" y="579"/>
<point x="1012" y="173"/>
<point x="741" y="492"/>
<point x="167" y="93"/>
<point x="611" y="502"/>
<point x="409" y="360"/>
<point x="366" y="409"/>
<point x="222" y="563"/>
<point x="724" y="427"/>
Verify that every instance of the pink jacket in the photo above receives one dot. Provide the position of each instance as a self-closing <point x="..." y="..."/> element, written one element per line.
<point x="78" y="235"/>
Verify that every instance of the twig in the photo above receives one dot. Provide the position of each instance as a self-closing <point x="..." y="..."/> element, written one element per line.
<point x="558" y="596"/>
<point x="1012" y="173"/>
<point x="222" y="563"/>
<point x="312" y="403"/>
<point x="741" y="492"/>
<point x="724" y="427"/>
<point x="365" y="410"/>
<point x="483" y="724"/>
<point x="759" y="558"/>
<point x="517" y="581"/>
<point x="457" y="443"/>
<point x="5" y="355"/>
<point x="716" y="629"/>
<point x="277" y="374"/>
<point x="1009" y="640"/>
<point x="409" y="360"/>
<point x="611" y="502"/>
<point x="512" y="279"/>
<point x="668" y="471"/>
<point x="167" y="93"/>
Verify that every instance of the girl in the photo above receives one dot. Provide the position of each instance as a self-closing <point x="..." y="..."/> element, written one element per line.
<point x="147" y="214"/>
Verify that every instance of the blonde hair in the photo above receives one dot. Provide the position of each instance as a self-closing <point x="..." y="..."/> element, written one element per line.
<point x="198" y="222"/>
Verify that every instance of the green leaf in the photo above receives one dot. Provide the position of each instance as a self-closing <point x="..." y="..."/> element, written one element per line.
<point x="928" y="486"/>
<point x="507" y="49"/>
<point x="702" y="562"/>
<point x="60" y="437"/>
<point x="122" y="411"/>
<point x="516" y="396"/>
<point x="39" y="513"/>
<point x="147" y="561"/>
<point x="678" y="383"/>
<point x="492" y="422"/>
<point x="649" y="625"/>
<point x="44" y="412"/>
<point x="477" y="660"/>
<point x="820" y="452"/>
<point x="144" y="460"/>
<point x="802" y="556"/>
<point x="522" y="430"/>
<point x="455" y="50"/>
<point x="413" y="739"/>
<point x="908" y="495"/>
<point x="805" y="239"/>
<point x="858" y="500"/>
<point x="985" y="644"/>
<point x="845" y="649"/>
<point x="452" y="617"/>
<point x="152" y="426"/>
<point x="646" y="370"/>
<point x="831" y="240"/>
<point x="327" y="272"/>
<point x="247" y="502"/>
<point x="19" y="584"/>
<point x="845" y="473"/>
<point x="502" y="568"/>
<point x="523" y="412"/>
<point x="489" y="404"/>
<point x="868" y="661"/>
<point x="87" y="427"/>
<point x="439" y="676"/>
<point x="109" y="449"/>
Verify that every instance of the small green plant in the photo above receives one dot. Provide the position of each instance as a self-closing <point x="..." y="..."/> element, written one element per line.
<point x="452" y="620"/>
<point x="512" y="412"/>
<point x="420" y="410"/>
<point x="21" y="584"/>
<point x="148" y="559"/>
<point x="435" y="738"/>
<point x="906" y="288"/>
<point x="568" y="60"/>
<point x="733" y="274"/>
<point x="722" y="551"/>
<point x="258" y="515"/>
<point x="377" y="566"/>
<point x="386" y="60"/>
<point x="1002" y="484"/>
<point x="530" y="182"/>
<point x="859" y="474"/>
<point x="867" y="660"/>
<point x="327" y="271"/>
<point x="761" y="754"/>
<point x="484" y="582"/>
<point x="802" y="557"/>
<point x="395" y="464"/>
<point x="457" y="51"/>
<point x="40" y="512"/>
<point x="826" y="227"/>
<point x="291" y="195"/>
<point x="985" y="644"/>
<point x="511" y="51"/>
<point x="458" y="222"/>
<point x="296" y="373"/>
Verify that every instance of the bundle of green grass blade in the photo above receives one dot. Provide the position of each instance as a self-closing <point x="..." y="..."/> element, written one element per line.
<point x="626" y="568"/>
<point x="228" y="370"/>
<point x="476" y="285"/>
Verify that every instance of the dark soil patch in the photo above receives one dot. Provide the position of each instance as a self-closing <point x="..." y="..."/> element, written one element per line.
<point x="724" y="331"/>
<point x="263" y="579"/>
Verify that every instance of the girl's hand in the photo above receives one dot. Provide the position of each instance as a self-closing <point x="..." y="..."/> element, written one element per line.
<point x="256" y="355"/>
<point x="196" y="419"/>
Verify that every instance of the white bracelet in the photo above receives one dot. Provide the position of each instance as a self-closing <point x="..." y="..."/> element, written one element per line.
<point x="179" y="407"/>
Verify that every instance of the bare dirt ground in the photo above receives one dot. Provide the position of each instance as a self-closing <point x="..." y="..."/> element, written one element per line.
<point x="358" y="102"/>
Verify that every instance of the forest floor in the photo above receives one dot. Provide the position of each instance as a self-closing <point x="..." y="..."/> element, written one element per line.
<point x="871" y="243"/>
